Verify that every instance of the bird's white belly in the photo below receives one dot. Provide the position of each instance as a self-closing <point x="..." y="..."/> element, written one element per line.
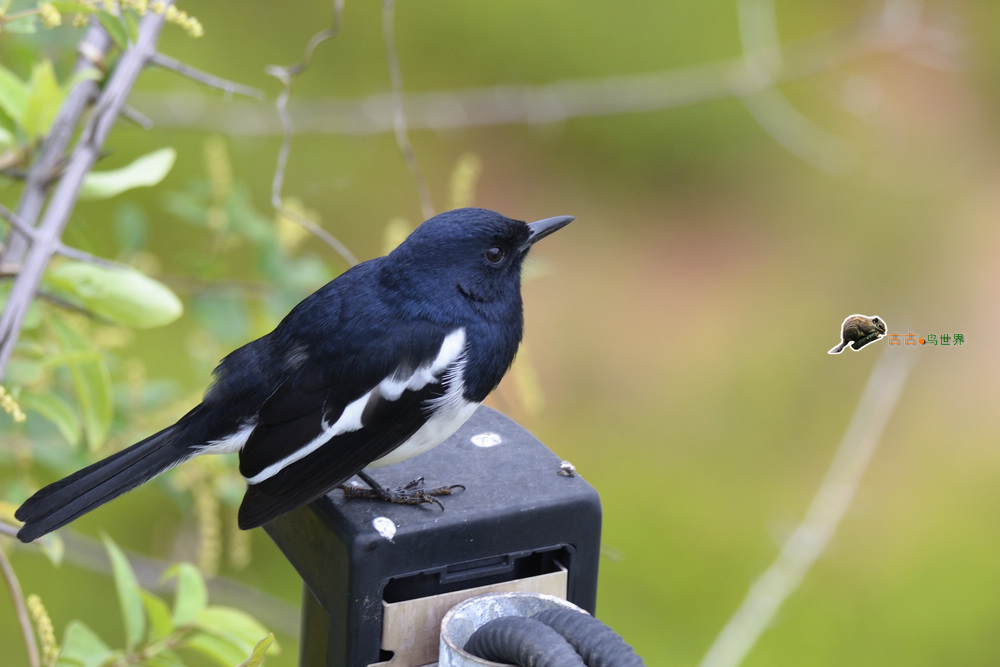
<point x="436" y="430"/>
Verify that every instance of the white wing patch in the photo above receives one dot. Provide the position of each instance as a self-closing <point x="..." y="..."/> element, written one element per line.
<point x="448" y="413"/>
<point x="231" y="443"/>
<point x="450" y="357"/>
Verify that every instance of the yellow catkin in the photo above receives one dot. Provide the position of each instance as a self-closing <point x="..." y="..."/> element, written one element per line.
<point x="46" y="633"/>
<point x="465" y="175"/>
<point x="218" y="167"/>
<point x="239" y="553"/>
<point x="51" y="17"/>
<point x="10" y="406"/>
<point x="529" y="390"/>
<point x="193" y="27"/>
<point x="209" y="528"/>
<point x="395" y="232"/>
<point x="198" y="480"/>
<point x="291" y="233"/>
<point x="220" y="179"/>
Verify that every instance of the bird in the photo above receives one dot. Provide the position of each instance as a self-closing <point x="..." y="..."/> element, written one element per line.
<point x="382" y="363"/>
<point x="859" y="330"/>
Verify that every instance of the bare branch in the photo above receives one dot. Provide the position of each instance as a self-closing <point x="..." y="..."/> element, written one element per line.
<point x="15" y="221"/>
<point x="557" y="102"/>
<point x="229" y="87"/>
<point x="137" y="117"/>
<point x="285" y="75"/>
<point x="83" y="256"/>
<point x="758" y="23"/>
<point x="398" y="111"/>
<point x="21" y="610"/>
<point x="94" y="46"/>
<point x="61" y="248"/>
<point x="321" y="233"/>
<point x="88" y="148"/>
<point x="832" y="499"/>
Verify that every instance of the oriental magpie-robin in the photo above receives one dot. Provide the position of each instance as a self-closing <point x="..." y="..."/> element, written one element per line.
<point x="380" y="364"/>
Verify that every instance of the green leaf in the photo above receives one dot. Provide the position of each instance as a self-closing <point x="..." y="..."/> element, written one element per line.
<point x="259" y="650"/>
<point x="55" y="409"/>
<point x="26" y="25"/>
<point x="51" y="545"/>
<point x="13" y="93"/>
<point x="120" y="294"/>
<point x="223" y="652"/>
<point x="131" y="227"/>
<point x="234" y="625"/>
<point x="160" y="622"/>
<point x="53" y="548"/>
<point x="44" y="99"/>
<point x="113" y="25"/>
<point x="22" y="371"/>
<point x="164" y="658"/>
<point x="145" y="171"/>
<point x="129" y="594"/>
<point x="91" y="381"/>
<point x="81" y="647"/>
<point x="131" y="21"/>
<point x="6" y="138"/>
<point x="80" y="75"/>
<point x="191" y="596"/>
<point x="69" y="7"/>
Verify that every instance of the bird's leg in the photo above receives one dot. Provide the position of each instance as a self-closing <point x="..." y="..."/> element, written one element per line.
<point x="410" y="493"/>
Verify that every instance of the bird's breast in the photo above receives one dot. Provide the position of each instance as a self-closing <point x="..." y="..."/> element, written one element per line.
<point x="441" y="425"/>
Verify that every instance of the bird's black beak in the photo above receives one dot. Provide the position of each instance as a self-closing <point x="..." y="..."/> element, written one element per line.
<point x="542" y="228"/>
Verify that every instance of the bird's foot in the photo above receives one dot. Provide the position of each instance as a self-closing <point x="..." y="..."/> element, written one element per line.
<point x="411" y="493"/>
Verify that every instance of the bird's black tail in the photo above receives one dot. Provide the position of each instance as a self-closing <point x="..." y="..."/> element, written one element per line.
<point x="61" y="502"/>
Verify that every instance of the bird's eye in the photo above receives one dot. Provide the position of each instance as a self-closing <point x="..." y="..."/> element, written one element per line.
<point x="494" y="254"/>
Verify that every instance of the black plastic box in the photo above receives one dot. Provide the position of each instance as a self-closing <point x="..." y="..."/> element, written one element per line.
<point x="517" y="518"/>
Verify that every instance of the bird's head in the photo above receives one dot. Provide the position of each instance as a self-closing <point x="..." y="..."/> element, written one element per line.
<point x="473" y="253"/>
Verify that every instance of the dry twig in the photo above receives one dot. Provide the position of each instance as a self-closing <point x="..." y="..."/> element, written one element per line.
<point x="286" y="75"/>
<point x="398" y="110"/>
<point x="832" y="500"/>
<point x="20" y="609"/>
<point x="872" y="35"/>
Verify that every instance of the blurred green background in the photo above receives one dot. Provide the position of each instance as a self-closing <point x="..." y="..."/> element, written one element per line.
<point x="677" y="330"/>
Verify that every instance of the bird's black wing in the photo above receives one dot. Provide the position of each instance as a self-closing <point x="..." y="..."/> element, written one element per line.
<point x="330" y="420"/>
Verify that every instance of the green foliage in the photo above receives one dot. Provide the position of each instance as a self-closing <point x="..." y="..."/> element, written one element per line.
<point x="129" y="597"/>
<point x="145" y="171"/>
<point x="57" y="410"/>
<point x="156" y="634"/>
<point x="82" y="647"/>
<point x="192" y="595"/>
<point x="30" y="106"/>
<point x="119" y="19"/>
<point x="119" y="294"/>
<point x="91" y="380"/>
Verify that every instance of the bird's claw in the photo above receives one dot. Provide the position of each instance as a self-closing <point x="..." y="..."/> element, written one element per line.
<point x="410" y="493"/>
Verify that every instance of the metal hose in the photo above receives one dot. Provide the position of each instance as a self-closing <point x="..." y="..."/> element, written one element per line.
<point x="552" y="638"/>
